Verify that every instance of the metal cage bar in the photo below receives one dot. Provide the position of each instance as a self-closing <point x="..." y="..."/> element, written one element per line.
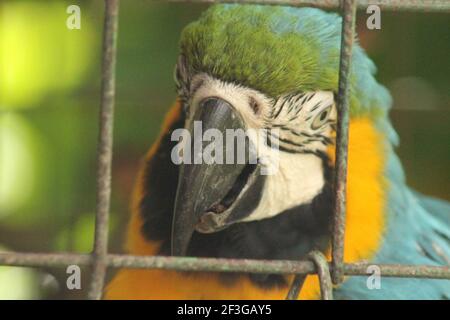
<point x="100" y="260"/>
<point x="323" y="271"/>
<point x="216" y="265"/>
<point x="105" y="146"/>
<point x="343" y="116"/>
<point x="393" y="5"/>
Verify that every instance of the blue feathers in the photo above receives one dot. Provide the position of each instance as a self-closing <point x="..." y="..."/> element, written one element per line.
<point x="418" y="233"/>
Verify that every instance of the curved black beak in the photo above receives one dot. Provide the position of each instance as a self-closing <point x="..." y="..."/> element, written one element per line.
<point x="202" y="186"/>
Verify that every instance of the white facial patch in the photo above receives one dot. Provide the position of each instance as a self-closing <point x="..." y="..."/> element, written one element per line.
<point x="303" y="126"/>
<point x="298" y="181"/>
<point x="239" y="97"/>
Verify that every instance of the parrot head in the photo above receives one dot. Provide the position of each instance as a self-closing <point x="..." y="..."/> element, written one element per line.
<point x="274" y="71"/>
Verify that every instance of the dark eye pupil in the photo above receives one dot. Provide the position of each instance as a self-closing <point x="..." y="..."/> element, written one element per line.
<point x="323" y="115"/>
<point x="254" y="105"/>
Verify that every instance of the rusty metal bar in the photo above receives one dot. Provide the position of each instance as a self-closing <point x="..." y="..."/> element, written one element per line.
<point x="296" y="287"/>
<point x="216" y="265"/>
<point x="159" y="262"/>
<point x="399" y="270"/>
<point x="213" y="265"/>
<point x="323" y="271"/>
<point x="391" y="5"/>
<point x="322" y="267"/>
<point x="44" y="259"/>
<point x="105" y="144"/>
<point x="340" y="178"/>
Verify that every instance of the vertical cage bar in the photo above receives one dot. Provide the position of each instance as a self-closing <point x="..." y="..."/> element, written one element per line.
<point x="105" y="144"/>
<point x="347" y="37"/>
<point x="323" y="272"/>
<point x="296" y="287"/>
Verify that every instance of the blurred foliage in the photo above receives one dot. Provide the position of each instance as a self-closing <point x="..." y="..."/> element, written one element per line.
<point x="49" y="98"/>
<point x="29" y="52"/>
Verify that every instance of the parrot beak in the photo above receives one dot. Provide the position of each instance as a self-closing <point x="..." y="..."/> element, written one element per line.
<point x="206" y="191"/>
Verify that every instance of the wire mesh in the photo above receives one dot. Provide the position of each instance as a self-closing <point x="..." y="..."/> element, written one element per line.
<point x="316" y="263"/>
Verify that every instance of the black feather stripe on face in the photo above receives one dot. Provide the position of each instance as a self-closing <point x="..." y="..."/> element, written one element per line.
<point x="290" y="146"/>
<point x="303" y="126"/>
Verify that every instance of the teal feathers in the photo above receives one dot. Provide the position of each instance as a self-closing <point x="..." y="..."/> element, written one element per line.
<point x="418" y="233"/>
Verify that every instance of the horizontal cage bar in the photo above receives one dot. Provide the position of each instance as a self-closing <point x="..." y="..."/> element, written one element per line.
<point x="391" y="5"/>
<point x="216" y="265"/>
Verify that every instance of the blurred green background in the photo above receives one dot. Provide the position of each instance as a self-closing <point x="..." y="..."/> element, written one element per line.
<point x="49" y="100"/>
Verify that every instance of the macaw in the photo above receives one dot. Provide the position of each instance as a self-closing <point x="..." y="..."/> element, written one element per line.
<point x="275" y="69"/>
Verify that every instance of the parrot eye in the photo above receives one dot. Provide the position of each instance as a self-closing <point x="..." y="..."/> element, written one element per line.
<point x="321" y="118"/>
<point x="254" y="105"/>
